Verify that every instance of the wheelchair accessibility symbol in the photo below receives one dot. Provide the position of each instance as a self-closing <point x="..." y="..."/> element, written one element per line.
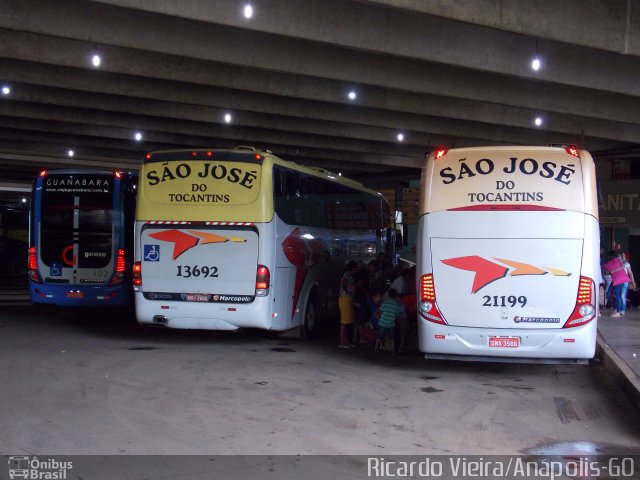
<point x="152" y="253"/>
<point x="55" y="270"/>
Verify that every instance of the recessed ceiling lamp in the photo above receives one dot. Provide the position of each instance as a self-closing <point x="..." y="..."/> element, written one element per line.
<point x="536" y="63"/>
<point x="400" y="137"/>
<point x="96" y="60"/>
<point x="6" y="90"/>
<point x="138" y="136"/>
<point x="247" y="11"/>
<point x="352" y="95"/>
<point x="227" y="118"/>
<point x="70" y="153"/>
<point x="23" y="200"/>
<point x="538" y="121"/>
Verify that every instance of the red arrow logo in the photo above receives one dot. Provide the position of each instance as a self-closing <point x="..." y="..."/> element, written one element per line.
<point x="181" y="241"/>
<point x="486" y="271"/>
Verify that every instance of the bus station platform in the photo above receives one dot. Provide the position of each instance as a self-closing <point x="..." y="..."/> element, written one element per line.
<point x="619" y="350"/>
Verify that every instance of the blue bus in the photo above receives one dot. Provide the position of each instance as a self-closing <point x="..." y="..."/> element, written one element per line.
<point x="81" y="238"/>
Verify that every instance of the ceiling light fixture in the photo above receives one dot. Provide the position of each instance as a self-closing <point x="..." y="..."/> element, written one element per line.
<point x="96" y="60"/>
<point x="400" y="137"/>
<point x="23" y="200"/>
<point x="137" y="136"/>
<point x="538" y="121"/>
<point x="6" y="90"/>
<point x="71" y="153"/>
<point x="248" y="11"/>
<point x="352" y="95"/>
<point x="227" y="118"/>
<point x="536" y="63"/>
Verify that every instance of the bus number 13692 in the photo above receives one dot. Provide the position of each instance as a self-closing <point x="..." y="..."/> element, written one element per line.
<point x="187" y="271"/>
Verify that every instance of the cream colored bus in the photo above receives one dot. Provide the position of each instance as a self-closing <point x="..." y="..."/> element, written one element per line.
<point x="237" y="238"/>
<point x="508" y="254"/>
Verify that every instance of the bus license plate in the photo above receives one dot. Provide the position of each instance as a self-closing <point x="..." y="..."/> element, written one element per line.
<point x="74" y="294"/>
<point x="196" y="297"/>
<point x="504" y="342"/>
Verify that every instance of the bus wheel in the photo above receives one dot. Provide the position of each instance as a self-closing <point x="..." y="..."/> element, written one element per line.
<point x="310" y="326"/>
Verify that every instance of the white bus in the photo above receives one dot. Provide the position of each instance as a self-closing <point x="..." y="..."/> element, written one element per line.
<point x="508" y="254"/>
<point x="226" y="239"/>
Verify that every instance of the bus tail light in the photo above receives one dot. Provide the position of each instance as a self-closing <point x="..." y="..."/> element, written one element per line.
<point x="33" y="266"/>
<point x="137" y="274"/>
<point x="120" y="268"/>
<point x="117" y="174"/>
<point x="585" y="309"/>
<point x="262" y="281"/>
<point x="427" y="307"/>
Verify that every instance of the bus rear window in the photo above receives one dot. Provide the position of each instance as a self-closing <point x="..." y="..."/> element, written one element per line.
<point x="77" y="209"/>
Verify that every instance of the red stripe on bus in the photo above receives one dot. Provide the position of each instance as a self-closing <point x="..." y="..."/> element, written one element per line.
<point x="503" y="208"/>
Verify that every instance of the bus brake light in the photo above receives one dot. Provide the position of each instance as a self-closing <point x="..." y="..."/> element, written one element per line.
<point x="33" y="266"/>
<point x="263" y="278"/>
<point x="118" y="174"/>
<point x="137" y="274"/>
<point x="120" y="268"/>
<point x="43" y="173"/>
<point x="427" y="307"/>
<point x="441" y="152"/>
<point x="572" y="150"/>
<point x="585" y="309"/>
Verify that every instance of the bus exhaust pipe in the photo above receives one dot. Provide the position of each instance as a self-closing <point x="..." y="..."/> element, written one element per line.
<point x="160" y="320"/>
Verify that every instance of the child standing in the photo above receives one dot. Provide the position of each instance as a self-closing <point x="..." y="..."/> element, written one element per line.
<point x="387" y="314"/>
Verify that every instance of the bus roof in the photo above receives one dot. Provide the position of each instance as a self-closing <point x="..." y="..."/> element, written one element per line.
<point x="245" y="152"/>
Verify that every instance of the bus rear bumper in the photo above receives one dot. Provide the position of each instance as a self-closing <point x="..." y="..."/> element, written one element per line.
<point x="201" y="315"/>
<point x="72" y="296"/>
<point x="437" y="341"/>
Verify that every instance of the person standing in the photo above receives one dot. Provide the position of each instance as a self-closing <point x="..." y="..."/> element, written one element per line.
<point x="627" y="267"/>
<point x="387" y="314"/>
<point x="620" y="281"/>
<point x="345" y="303"/>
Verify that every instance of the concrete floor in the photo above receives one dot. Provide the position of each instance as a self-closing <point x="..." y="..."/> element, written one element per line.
<point x="93" y="382"/>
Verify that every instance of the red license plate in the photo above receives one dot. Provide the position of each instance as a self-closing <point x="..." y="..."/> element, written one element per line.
<point x="504" y="342"/>
<point x="74" y="294"/>
<point x="196" y="297"/>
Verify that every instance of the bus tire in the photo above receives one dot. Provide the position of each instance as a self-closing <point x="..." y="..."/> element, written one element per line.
<point x="310" y="323"/>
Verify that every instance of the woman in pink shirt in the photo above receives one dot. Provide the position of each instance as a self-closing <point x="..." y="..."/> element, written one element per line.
<point x="620" y="281"/>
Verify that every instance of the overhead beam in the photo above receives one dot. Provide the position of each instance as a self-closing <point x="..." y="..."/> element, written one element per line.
<point x="613" y="25"/>
<point x="196" y="98"/>
<point x="427" y="89"/>
<point x="404" y="41"/>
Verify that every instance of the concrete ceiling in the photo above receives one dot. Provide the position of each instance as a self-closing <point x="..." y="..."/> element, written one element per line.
<point x="442" y="72"/>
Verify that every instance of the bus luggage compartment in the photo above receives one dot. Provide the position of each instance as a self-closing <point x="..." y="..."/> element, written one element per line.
<point x="526" y="283"/>
<point x="201" y="264"/>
